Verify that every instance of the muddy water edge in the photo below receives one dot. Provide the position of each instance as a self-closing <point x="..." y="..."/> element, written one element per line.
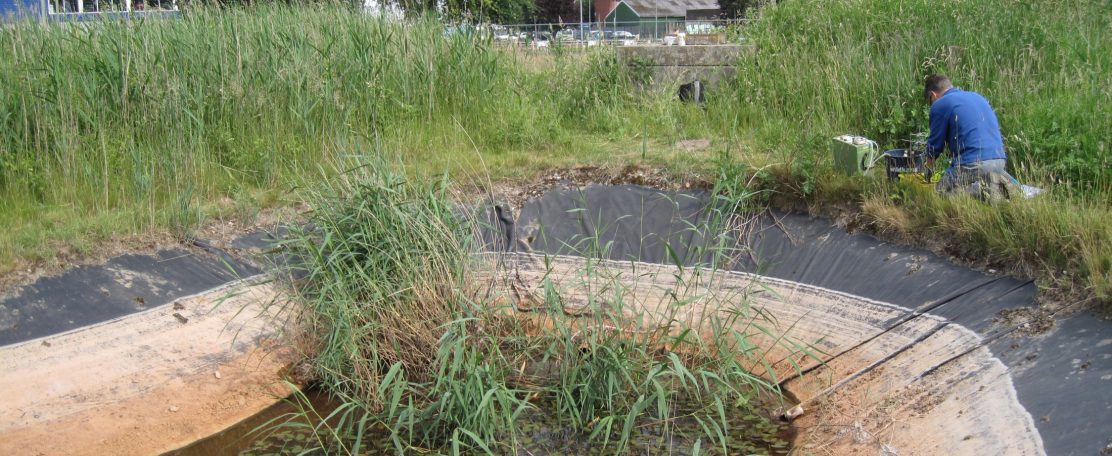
<point x="756" y="431"/>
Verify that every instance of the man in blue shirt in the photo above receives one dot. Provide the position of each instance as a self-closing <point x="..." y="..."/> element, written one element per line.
<point x="965" y="123"/>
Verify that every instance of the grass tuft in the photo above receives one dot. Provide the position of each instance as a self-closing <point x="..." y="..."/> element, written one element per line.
<point x="407" y="334"/>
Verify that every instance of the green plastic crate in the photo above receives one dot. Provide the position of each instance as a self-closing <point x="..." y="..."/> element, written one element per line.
<point x="853" y="155"/>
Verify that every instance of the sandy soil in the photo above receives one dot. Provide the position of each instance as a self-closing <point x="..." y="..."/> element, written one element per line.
<point x="921" y="387"/>
<point x="144" y="383"/>
<point x="517" y="194"/>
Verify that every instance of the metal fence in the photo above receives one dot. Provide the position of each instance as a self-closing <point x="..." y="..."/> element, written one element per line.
<point x="109" y="6"/>
<point x="647" y="30"/>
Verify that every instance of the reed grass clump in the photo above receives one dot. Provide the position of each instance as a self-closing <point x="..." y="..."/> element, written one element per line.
<point x="407" y="326"/>
<point x="230" y="102"/>
<point x="379" y="266"/>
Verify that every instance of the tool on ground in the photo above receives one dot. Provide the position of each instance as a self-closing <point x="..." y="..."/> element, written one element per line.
<point x="910" y="164"/>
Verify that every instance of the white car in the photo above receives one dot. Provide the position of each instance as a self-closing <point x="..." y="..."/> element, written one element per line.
<point x="625" y="38"/>
<point x="540" y="39"/>
<point x="565" y="35"/>
<point x="594" y="38"/>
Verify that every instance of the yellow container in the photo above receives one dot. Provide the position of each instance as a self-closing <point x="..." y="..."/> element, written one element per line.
<point x="917" y="179"/>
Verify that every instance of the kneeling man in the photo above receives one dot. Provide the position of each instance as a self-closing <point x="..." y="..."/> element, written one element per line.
<point x="965" y="123"/>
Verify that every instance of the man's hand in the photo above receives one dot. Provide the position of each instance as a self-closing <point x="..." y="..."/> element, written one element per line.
<point x="928" y="167"/>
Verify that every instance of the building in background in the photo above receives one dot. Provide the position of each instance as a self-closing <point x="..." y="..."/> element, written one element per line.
<point x="657" y="17"/>
<point x="65" y="10"/>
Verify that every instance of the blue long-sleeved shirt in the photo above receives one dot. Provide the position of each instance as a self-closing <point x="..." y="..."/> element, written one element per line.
<point x="964" y="122"/>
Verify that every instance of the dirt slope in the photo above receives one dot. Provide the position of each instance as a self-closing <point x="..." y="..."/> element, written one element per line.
<point x="144" y="383"/>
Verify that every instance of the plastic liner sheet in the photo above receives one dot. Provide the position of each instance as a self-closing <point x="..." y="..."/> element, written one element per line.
<point x="87" y="295"/>
<point x="1063" y="377"/>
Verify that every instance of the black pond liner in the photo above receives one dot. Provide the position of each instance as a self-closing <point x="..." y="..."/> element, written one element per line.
<point x="1063" y="377"/>
<point x="87" y="295"/>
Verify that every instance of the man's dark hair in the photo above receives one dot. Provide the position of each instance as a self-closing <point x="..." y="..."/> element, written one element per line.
<point x="935" y="83"/>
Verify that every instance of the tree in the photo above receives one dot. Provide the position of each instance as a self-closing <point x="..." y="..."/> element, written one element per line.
<point x="557" y="11"/>
<point x="734" y="9"/>
<point x="493" y="11"/>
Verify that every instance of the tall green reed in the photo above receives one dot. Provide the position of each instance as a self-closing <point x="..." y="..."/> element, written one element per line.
<point x="857" y="66"/>
<point x="129" y="113"/>
<point x="403" y="331"/>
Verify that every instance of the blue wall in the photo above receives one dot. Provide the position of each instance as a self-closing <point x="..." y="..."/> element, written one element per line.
<point x="9" y="8"/>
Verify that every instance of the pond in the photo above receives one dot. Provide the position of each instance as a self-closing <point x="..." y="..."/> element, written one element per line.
<point x="540" y="434"/>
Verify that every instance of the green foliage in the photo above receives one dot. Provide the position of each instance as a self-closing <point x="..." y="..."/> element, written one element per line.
<point x="640" y="70"/>
<point x="856" y="66"/>
<point x="486" y="11"/>
<point x="737" y="8"/>
<point x="556" y="11"/>
<point x="184" y="215"/>
<point x="405" y="332"/>
<point x="223" y="101"/>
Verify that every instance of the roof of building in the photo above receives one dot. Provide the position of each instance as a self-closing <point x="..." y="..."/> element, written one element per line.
<point x="669" y="8"/>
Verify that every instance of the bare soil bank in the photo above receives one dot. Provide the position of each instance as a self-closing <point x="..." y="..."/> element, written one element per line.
<point x="147" y="382"/>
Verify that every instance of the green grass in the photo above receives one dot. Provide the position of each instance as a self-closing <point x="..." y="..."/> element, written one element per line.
<point x="116" y="129"/>
<point x="1068" y="245"/>
<point x="134" y="116"/>
<point x="857" y="66"/>
<point x="399" y="325"/>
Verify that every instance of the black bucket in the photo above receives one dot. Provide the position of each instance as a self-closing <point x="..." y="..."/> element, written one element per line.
<point x="899" y="161"/>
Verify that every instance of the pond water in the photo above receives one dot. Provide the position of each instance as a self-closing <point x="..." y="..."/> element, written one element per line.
<point x="541" y="434"/>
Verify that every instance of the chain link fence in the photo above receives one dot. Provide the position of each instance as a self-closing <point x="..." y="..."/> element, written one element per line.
<point x="645" y="31"/>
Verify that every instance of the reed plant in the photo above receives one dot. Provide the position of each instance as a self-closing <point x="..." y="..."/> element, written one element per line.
<point x="111" y="122"/>
<point x="857" y="66"/>
<point x="400" y="325"/>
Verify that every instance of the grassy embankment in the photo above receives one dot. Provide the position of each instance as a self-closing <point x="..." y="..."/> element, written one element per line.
<point x="115" y="128"/>
<point x="855" y="66"/>
<point x="127" y="127"/>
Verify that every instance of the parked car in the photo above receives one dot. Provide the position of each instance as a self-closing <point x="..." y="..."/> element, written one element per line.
<point x="535" y="39"/>
<point x="624" y="38"/>
<point x="502" y="33"/>
<point x="595" y="37"/>
<point x="540" y="39"/>
<point x="573" y="34"/>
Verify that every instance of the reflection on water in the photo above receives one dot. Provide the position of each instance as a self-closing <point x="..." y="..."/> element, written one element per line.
<point x="540" y="434"/>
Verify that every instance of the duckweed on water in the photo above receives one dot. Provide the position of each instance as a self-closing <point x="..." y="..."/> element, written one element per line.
<point x="543" y="434"/>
